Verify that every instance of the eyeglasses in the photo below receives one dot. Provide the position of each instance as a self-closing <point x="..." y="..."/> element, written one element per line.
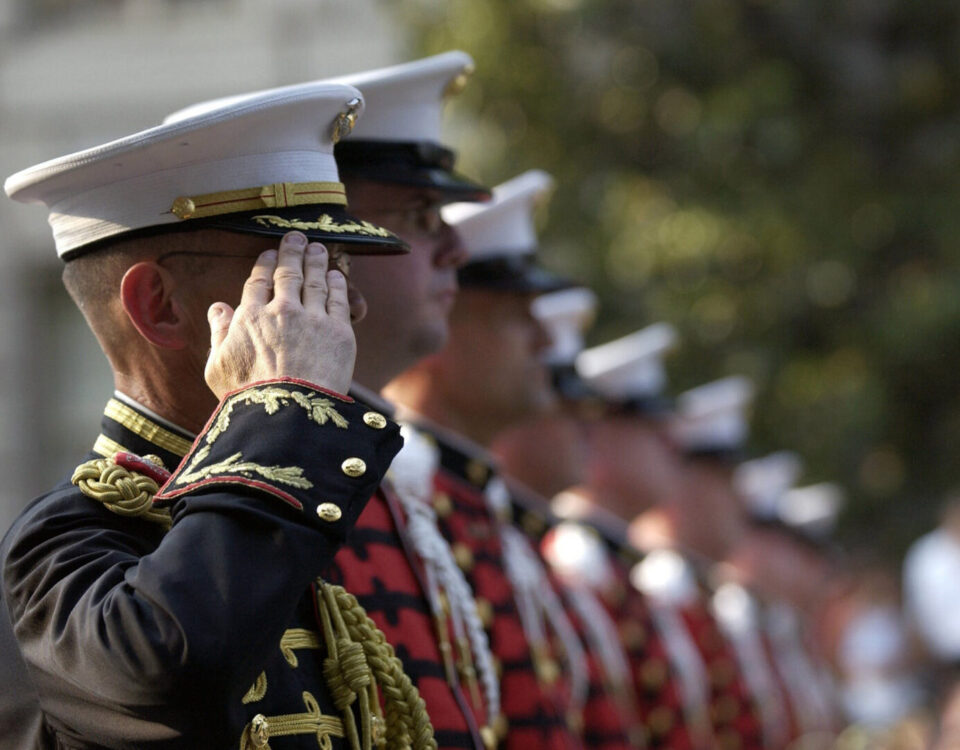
<point x="424" y="220"/>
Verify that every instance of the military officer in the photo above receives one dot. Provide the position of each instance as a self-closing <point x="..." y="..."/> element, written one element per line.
<point x="402" y="570"/>
<point x="489" y="374"/>
<point x="169" y="593"/>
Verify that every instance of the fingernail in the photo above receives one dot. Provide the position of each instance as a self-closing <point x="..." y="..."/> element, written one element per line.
<point x="269" y="254"/>
<point x="215" y="311"/>
<point x="315" y="248"/>
<point x="295" y="238"/>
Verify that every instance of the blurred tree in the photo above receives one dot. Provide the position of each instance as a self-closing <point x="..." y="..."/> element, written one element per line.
<point x="777" y="178"/>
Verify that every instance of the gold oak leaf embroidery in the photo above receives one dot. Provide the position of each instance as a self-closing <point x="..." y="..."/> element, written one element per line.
<point x="319" y="409"/>
<point x="324" y="223"/>
<point x="290" y="475"/>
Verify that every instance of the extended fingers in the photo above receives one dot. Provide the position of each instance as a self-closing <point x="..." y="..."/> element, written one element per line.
<point x="315" y="278"/>
<point x="219" y="316"/>
<point x="288" y="277"/>
<point x="259" y="284"/>
<point x="338" y="299"/>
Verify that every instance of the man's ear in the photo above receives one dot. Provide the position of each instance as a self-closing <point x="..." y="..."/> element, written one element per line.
<point x="146" y="292"/>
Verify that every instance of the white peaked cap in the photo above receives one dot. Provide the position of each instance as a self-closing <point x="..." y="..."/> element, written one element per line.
<point x="265" y="145"/>
<point x="630" y="367"/>
<point x="404" y="102"/>
<point x="713" y="417"/>
<point x="505" y="224"/>
<point x="931" y="584"/>
<point x="565" y="315"/>
<point x="762" y="482"/>
<point x="813" y="510"/>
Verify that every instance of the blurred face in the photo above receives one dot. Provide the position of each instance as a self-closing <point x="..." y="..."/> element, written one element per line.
<point x="547" y="453"/>
<point x="709" y="515"/>
<point x="409" y="297"/>
<point x="633" y="465"/>
<point x="492" y="364"/>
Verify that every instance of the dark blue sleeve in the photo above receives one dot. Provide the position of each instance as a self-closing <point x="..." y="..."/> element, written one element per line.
<point x="132" y="633"/>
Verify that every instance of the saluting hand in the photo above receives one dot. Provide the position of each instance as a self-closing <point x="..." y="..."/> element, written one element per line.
<point x="293" y="321"/>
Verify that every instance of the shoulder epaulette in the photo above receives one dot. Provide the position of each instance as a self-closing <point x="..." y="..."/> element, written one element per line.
<point x="125" y="484"/>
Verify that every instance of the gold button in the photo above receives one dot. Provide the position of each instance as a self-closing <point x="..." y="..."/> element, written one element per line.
<point x="501" y="725"/>
<point x="653" y="673"/>
<point x="354" y="467"/>
<point x="329" y="512"/>
<point x="489" y="737"/>
<point x="532" y="524"/>
<point x="660" y="720"/>
<point x="484" y="611"/>
<point x="375" y="420"/>
<point x="477" y="472"/>
<point x="183" y="208"/>
<point x="260" y="731"/>
<point x="724" y="709"/>
<point x="728" y="739"/>
<point x="463" y="556"/>
<point x="547" y="670"/>
<point x="442" y="504"/>
<point x="722" y="672"/>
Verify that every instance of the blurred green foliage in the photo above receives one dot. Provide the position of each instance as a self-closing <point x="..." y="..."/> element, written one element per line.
<point x="779" y="179"/>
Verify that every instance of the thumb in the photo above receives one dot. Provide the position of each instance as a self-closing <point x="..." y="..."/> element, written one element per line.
<point x="219" y="315"/>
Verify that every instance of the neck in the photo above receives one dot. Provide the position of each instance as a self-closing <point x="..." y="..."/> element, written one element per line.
<point x="416" y="391"/>
<point x="653" y="529"/>
<point x="186" y="407"/>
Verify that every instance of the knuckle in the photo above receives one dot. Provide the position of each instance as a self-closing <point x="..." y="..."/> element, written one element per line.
<point x="287" y="274"/>
<point x="259" y="282"/>
<point x="285" y="308"/>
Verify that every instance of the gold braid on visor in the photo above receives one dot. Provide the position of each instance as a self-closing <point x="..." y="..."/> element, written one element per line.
<point x="277" y="195"/>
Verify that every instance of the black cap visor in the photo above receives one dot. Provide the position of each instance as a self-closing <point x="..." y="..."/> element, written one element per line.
<point x="423" y="164"/>
<point x="326" y="222"/>
<point x="513" y="273"/>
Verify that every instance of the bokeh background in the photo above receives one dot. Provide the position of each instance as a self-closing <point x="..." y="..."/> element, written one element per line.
<point x="777" y="178"/>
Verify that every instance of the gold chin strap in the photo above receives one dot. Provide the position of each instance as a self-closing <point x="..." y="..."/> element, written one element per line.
<point x="277" y="195"/>
<point x="360" y="659"/>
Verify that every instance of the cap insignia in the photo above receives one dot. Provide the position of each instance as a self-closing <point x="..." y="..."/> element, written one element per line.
<point x="459" y="82"/>
<point x="343" y="124"/>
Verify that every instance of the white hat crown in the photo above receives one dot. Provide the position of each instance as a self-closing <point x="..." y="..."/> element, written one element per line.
<point x="505" y="225"/>
<point x="566" y="315"/>
<point x="630" y="367"/>
<point x="262" y="143"/>
<point x="714" y="416"/>
<point x="762" y="482"/>
<point x="403" y="102"/>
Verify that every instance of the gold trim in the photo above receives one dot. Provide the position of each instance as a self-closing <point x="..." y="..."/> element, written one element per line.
<point x="232" y="465"/>
<point x="344" y="122"/>
<point x="140" y="425"/>
<point x="107" y="447"/>
<point x="312" y="721"/>
<point x="277" y="195"/>
<point x="257" y="690"/>
<point x="459" y="82"/>
<point x="296" y="638"/>
<point x="324" y="223"/>
<point x="318" y="409"/>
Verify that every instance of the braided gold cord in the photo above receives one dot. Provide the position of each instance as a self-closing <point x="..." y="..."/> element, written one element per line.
<point x="408" y="726"/>
<point x="345" y="670"/>
<point x="121" y="491"/>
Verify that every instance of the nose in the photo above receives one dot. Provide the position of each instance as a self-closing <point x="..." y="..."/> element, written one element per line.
<point x="541" y="340"/>
<point x="450" y="251"/>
